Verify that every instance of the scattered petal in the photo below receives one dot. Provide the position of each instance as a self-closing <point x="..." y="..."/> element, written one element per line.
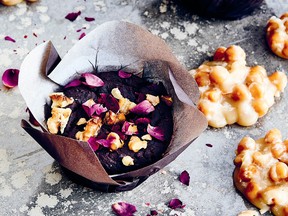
<point x="153" y="212"/>
<point x="73" y="83"/>
<point x="72" y="16"/>
<point x="32" y="119"/>
<point x="105" y="143"/>
<point x="92" y="80"/>
<point x="123" y="74"/>
<point x="175" y="203"/>
<point x="10" y="78"/>
<point x="92" y="141"/>
<point x="123" y="209"/>
<point x="156" y="132"/>
<point x="89" y="19"/>
<point x="7" y="38"/>
<point x="34" y="34"/>
<point x="145" y="107"/>
<point x="99" y="109"/>
<point x="184" y="178"/>
<point x="209" y="145"/>
<point x="82" y="35"/>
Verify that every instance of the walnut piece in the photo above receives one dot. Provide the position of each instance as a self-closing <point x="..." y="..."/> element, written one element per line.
<point x="60" y="100"/>
<point x="232" y="92"/>
<point x="91" y="129"/>
<point x="58" y="120"/>
<point x="261" y="172"/>
<point x="135" y="144"/>
<point x="127" y="161"/>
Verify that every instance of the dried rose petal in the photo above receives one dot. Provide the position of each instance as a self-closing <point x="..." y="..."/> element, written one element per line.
<point x="145" y="107"/>
<point x="7" y="38"/>
<point x="141" y="97"/>
<point x="105" y="143"/>
<point x="110" y="102"/>
<point x="123" y="209"/>
<point x="123" y="74"/>
<point x="153" y="212"/>
<point x="184" y="178"/>
<point x="156" y="132"/>
<point x="92" y="141"/>
<point x="129" y="128"/>
<point x="89" y="19"/>
<point x="99" y="109"/>
<point x="32" y="119"/>
<point x="10" y="78"/>
<point x="72" y="16"/>
<point x="92" y="80"/>
<point x="73" y="83"/>
<point x="89" y="108"/>
<point x="142" y="121"/>
<point x="175" y="203"/>
<point x="82" y="35"/>
<point x="209" y="145"/>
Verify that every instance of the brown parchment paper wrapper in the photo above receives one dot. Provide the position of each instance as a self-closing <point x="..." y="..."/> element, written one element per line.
<point x="110" y="46"/>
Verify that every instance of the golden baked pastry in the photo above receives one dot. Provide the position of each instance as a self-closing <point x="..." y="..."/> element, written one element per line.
<point x="277" y="37"/>
<point x="261" y="172"/>
<point x="233" y="92"/>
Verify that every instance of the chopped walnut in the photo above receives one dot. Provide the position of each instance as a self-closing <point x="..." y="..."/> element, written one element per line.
<point x="154" y="100"/>
<point x="125" y="105"/>
<point x="115" y="140"/>
<point x="135" y="144"/>
<point x="113" y="118"/>
<point x="127" y="161"/>
<point x="60" y="100"/>
<point x="91" y="129"/>
<point x="58" y="120"/>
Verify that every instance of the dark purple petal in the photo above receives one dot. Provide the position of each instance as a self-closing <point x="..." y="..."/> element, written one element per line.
<point x="209" y="145"/>
<point x="175" y="203"/>
<point x="73" y="83"/>
<point x="92" y="141"/>
<point x="89" y="19"/>
<point x="153" y="212"/>
<point x="89" y="107"/>
<point x="92" y="80"/>
<point x="32" y="119"/>
<point x="123" y="209"/>
<point x="141" y="97"/>
<point x="7" y="38"/>
<point x="142" y="121"/>
<point x="145" y="107"/>
<point x="167" y="99"/>
<point x="82" y="35"/>
<point x="72" y="16"/>
<point x="123" y="74"/>
<point x="156" y="132"/>
<point x="99" y="109"/>
<point x="110" y="102"/>
<point x="184" y="178"/>
<point x="10" y="78"/>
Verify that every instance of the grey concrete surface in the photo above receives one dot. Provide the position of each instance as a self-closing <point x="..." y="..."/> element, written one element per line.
<point x="31" y="182"/>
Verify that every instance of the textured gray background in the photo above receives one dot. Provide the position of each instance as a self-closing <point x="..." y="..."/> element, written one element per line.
<point x="31" y="183"/>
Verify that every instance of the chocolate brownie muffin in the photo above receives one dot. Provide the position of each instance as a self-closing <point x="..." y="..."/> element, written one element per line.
<point x="126" y="120"/>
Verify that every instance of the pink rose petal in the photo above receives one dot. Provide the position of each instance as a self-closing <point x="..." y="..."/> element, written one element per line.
<point x="10" y="78"/>
<point x="184" y="178"/>
<point x="123" y="209"/>
<point x="105" y="143"/>
<point x="145" y="107"/>
<point x="92" y="141"/>
<point x="73" y="83"/>
<point x="123" y="74"/>
<point x="127" y="128"/>
<point x="82" y="35"/>
<point x="156" y="132"/>
<point x="89" y="19"/>
<point x="7" y="38"/>
<point x="92" y="80"/>
<point x="72" y="16"/>
<point x="109" y="101"/>
<point x="89" y="108"/>
<point x="175" y="203"/>
<point x="99" y="109"/>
